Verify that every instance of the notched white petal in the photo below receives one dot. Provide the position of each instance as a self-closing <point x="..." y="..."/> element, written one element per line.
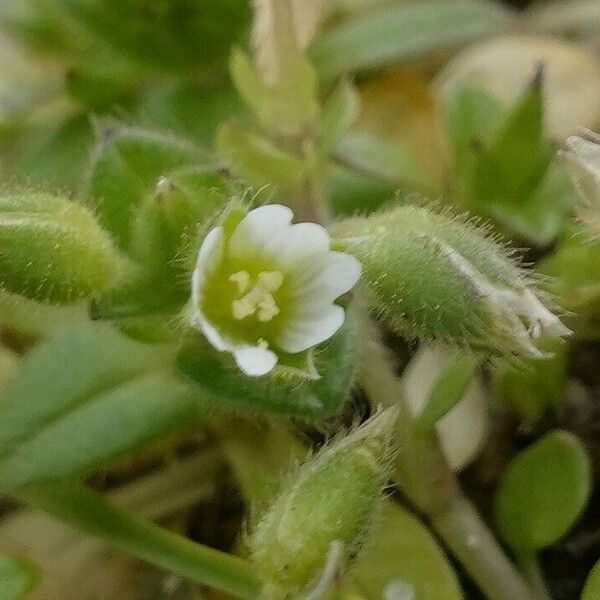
<point x="305" y="332"/>
<point x="254" y="360"/>
<point x="299" y="286"/>
<point x="259" y="229"/>
<point x="210" y="254"/>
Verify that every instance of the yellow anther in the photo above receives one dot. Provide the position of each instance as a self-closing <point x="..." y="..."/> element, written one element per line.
<point x="267" y="309"/>
<point x="259" y="300"/>
<point x="243" y="308"/>
<point x="270" y="281"/>
<point x="241" y="279"/>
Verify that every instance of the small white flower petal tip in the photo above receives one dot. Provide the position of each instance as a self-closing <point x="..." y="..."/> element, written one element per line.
<point x="269" y="287"/>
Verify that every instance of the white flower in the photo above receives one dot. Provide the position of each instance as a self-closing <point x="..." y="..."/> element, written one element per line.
<point x="265" y="287"/>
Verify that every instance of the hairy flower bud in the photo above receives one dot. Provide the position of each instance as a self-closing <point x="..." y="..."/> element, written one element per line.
<point x="326" y="509"/>
<point x="583" y="161"/>
<point x="435" y="276"/>
<point x="52" y="249"/>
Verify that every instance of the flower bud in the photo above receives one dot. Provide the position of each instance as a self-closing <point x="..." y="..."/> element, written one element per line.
<point x="328" y="505"/>
<point x="435" y="276"/>
<point x="169" y="217"/>
<point x="52" y="249"/>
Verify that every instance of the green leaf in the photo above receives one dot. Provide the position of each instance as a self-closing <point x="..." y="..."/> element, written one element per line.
<point x="541" y="216"/>
<point x="280" y="392"/>
<point x="388" y="34"/>
<point x="402" y="549"/>
<point x="537" y="385"/>
<point x="189" y="109"/>
<point x="257" y="160"/>
<point x="519" y="152"/>
<point x="339" y="114"/>
<point x="591" y="590"/>
<point x="287" y="108"/>
<point x="543" y="492"/>
<point x="504" y="164"/>
<point x="447" y="392"/>
<point x="85" y="398"/>
<point x="352" y="192"/>
<point x="17" y="578"/>
<point x="471" y="115"/>
<point x="369" y="154"/>
<point x="56" y="156"/>
<point x="172" y="36"/>
<point x="125" y="165"/>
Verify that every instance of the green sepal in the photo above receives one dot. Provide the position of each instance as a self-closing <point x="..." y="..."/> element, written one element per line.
<point x="167" y="221"/>
<point x="332" y="499"/>
<point x="282" y="391"/>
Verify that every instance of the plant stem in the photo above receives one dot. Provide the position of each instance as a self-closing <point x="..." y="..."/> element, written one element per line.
<point x="531" y="568"/>
<point x="423" y="475"/>
<point x="89" y="511"/>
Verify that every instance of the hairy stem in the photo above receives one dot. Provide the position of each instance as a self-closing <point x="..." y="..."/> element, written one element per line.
<point x="423" y="475"/>
<point x="90" y="512"/>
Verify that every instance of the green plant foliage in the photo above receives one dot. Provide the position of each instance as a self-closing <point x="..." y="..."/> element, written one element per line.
<point x="435" y="276"/>
<point x="331" y="499"/>
<point x="167" y="220"/>
<point x="537" y="385"/>
<point x="17" y="578"/>
<point x="403" y="550"/>
<point x="286" y="108"/>
<point x="543" y="492"/>
<point x="447" y="392"/>
<point x="339" y="113"/>
<point x="126" y="165"/>
<point x="203" y="36"/>
<point x="504" y="165"/>
<point x="189" y="109"/>
<point x="382" y="159"/>
<point x="591" y="591"/>
<point x="284" y="391"/>
<point x="389" y="34"/>
<point x="52" y="249"/>
<point x="257" y="160"/>
<point x="83" y="399"/>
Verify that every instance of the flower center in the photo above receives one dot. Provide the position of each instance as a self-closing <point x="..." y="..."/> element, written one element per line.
<point x="257" y="298"/>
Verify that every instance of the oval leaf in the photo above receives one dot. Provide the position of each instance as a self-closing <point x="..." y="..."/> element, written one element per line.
<point x="543" y="492"/>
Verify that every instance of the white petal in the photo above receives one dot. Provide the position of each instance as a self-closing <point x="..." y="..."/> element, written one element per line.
<point x="304" y="333"/>
<point x="212" y="335"/>
<point x="209" y="255"/>
<point x="254" y="360"/>
<point x="302" y="242"/>
<point x="260" y="228"/>
<point x="337" y="274"/>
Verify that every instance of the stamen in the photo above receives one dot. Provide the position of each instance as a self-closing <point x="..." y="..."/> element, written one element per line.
<point x="241" y="279"/>
<point x="259" y="299"/>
